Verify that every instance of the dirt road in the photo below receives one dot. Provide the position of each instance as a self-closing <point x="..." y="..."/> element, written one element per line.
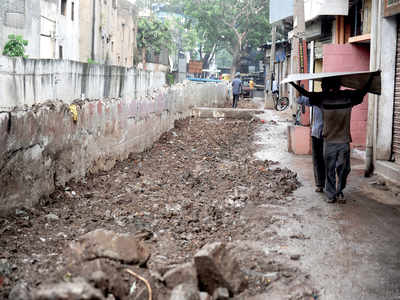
<point x="351" y="251"/>
<point x="207" y="181"/>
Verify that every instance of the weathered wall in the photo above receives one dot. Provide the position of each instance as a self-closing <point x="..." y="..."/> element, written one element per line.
<point x="31" y="81"/>
<point x="42" y="147"/>
<point x="385" y="105"/>
<point x="109" y="35"/>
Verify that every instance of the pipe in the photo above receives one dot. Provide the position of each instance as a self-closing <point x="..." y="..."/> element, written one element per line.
<point x="93" y="28"/>
<point x="372" y="99"/>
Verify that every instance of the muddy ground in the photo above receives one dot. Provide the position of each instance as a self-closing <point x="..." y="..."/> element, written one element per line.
<point x="198" y="184"/>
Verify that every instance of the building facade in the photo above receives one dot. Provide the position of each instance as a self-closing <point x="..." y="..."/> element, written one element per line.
<point x="384" y="122"/>
<point x="59" y="29"/>
<point x="21" y="17"/>
<point x="108" y="32"/>
<point x="100" y="31"/>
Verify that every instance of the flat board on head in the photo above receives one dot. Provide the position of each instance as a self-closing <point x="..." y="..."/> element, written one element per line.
<point x="354" y="80"/>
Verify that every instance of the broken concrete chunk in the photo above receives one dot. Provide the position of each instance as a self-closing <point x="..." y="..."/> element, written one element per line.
<point x="78" y="289"/>
<point x="52" y="217"/>
<point x="185" y="273"/>
<point x="108" y="244"/>
<point x="185" y="291"/>
<point x="221" y="294"/>
<point x="217" y="267"/>
<point x="20" y="292"/>
<point x="205" y="296"/>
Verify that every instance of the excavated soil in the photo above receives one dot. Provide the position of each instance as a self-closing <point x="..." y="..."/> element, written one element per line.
<point x="243" y="103"/>
<point x="198" y="184"/>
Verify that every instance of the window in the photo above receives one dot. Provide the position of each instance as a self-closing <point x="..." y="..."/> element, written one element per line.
<point x="112" y="46"/>
<point x="123" y="31"/>
<point x="114" y="4"/>
<point x="60" y="52"/>
<point x="72" y="10"/>
<point x="64" y="7"/>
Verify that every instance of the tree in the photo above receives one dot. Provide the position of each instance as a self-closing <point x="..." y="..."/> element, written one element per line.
<point x="153" y="35"/>
<point x="15" y="47"/>
<point x="233" y="25"/>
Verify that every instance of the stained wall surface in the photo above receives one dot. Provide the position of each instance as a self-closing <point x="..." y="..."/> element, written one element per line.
<point x="123" y="111"/>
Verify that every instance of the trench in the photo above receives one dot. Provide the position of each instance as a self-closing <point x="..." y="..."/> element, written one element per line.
<point x="198" y="184"/>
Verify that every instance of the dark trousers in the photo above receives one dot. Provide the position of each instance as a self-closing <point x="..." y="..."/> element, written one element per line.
<point x="235" y="100"/>
<point x="337" y="162"/>
<point x="318" y="161"/>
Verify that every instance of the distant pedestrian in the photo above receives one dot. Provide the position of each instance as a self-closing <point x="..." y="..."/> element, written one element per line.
<point x="251" y="86"/>
<point x="317" y="144"/>
<point x="336" y="106"/>
<point x="236" y="89"/>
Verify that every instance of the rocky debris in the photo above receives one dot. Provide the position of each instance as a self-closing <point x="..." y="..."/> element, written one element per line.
<point x="295" y="257"/>
<point x="5" y="267"/>
<point x="220" y="294"/>
<point x="103" y="243"/>
<point x="52" y="217"/>
<point x="185" y="291"/>
<point x="78" y="289"/>
<point x="217" y="268"/>
<point x="20" y="291"/>
<point x="205" y="296"/>
<point x="185" y="273"/>
<point x="189" y="189"/>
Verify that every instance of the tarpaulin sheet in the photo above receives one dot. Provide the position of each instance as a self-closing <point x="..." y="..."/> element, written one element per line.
<point x="354" y="80"/>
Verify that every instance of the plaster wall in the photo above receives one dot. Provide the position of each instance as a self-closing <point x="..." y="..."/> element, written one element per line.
<point x="68" y="31"/>
<point x="28" y="82"/>
<point x="114" y="38"/>
<point x="41" y="147"/>
<point x="385" y="101"/>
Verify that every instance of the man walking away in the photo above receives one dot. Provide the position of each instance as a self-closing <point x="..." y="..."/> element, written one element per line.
<point x="236" y="89"/>
<point x="336" y="106"/>
<point x="317" y="144"/>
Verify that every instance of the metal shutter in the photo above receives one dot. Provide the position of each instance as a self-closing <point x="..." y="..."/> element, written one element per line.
<point x="396" y="107"/>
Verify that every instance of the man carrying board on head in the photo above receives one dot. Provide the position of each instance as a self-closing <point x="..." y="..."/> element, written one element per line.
<point x="336" y="106"/>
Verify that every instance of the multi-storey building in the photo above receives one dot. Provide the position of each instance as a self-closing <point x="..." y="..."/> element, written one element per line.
<point x="101" y="31"/>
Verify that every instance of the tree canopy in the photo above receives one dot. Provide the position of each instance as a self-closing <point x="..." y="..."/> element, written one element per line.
<point x="153" y="35"/>
<point x="233" y="25"/>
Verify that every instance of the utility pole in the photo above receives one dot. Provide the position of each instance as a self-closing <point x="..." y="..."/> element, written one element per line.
<point x="268" y="101"/>
<point x="299" y="28"/>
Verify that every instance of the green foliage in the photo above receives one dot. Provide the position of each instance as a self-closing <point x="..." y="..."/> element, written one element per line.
<point x="153" y="35"/>
<point x="91" y="61"/>
<point x="223" y="59"/>
<point x="234" y="25"/>
<point x="170" y="78"/>
<point x="15" y="47"/>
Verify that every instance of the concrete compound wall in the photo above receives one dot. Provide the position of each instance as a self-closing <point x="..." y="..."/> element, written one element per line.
<point x="41" y="147"/>
<point x="34" y="81"/>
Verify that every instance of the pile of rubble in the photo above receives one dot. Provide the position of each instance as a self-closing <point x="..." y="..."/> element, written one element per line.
<point x="197" y="202"/>
<point x="213" y="273"/>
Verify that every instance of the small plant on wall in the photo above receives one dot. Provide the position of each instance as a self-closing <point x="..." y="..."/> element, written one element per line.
<point x="15" y="47"/>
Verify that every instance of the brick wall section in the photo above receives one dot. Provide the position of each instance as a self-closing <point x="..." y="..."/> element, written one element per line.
<point x="350" y="58"/>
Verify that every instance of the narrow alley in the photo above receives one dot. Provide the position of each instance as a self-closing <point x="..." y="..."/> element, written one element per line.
<point x="208" y="181"/>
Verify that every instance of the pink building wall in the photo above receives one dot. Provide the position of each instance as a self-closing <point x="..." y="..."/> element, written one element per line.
<point x="350" y="58"/>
